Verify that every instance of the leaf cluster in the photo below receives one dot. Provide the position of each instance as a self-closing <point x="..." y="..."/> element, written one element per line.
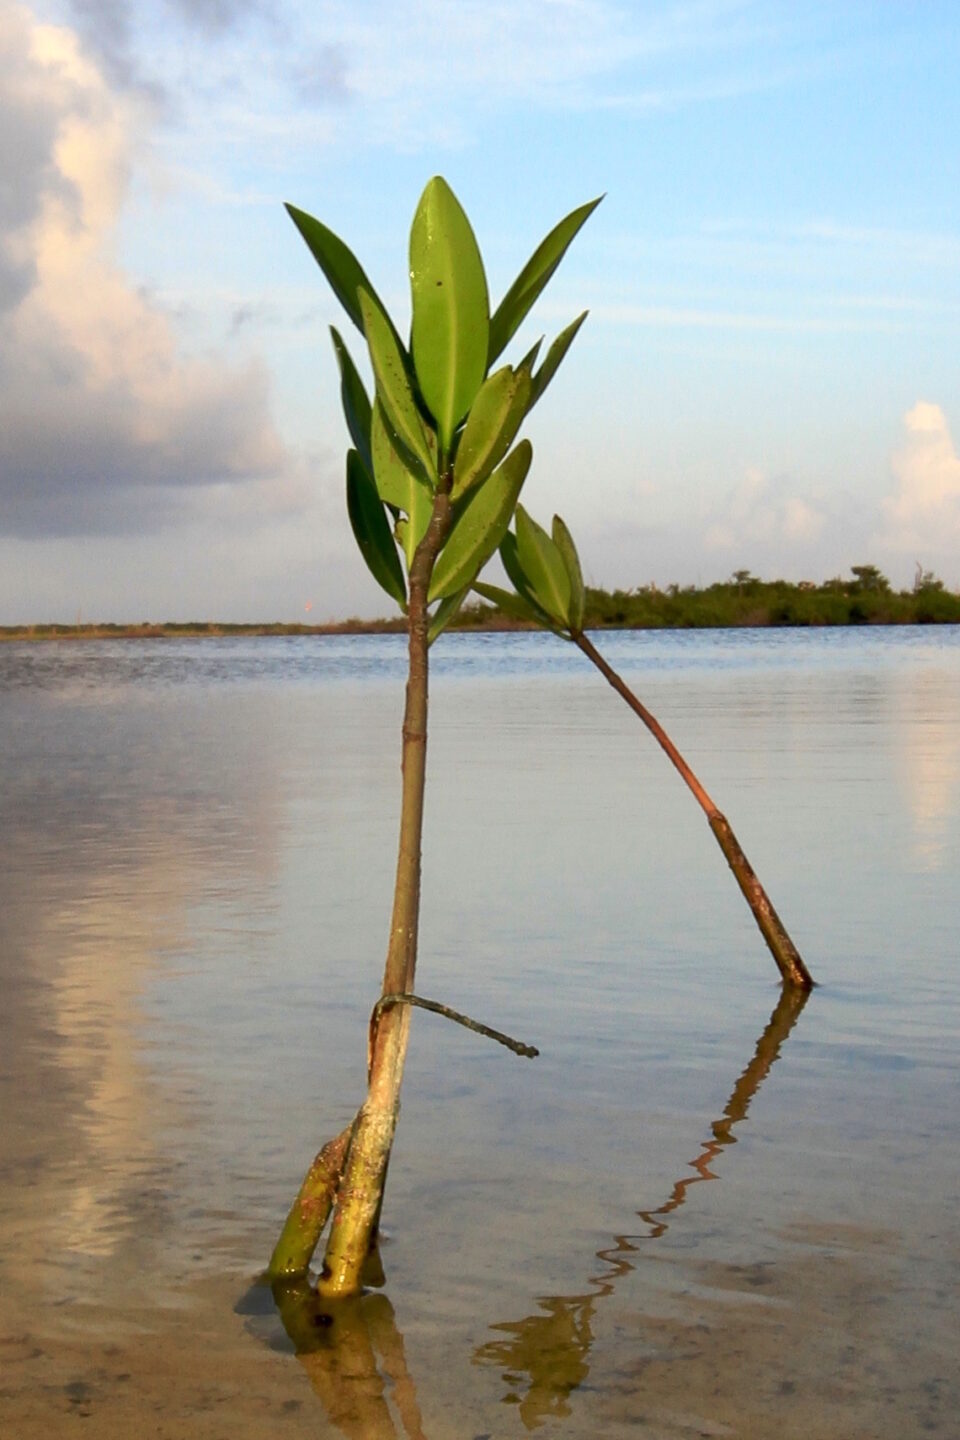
<point x="546" y="575"/>
<point x="441" y="420"/>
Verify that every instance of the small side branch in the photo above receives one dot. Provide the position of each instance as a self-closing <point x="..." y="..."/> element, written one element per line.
<point x="387" y="1001"/>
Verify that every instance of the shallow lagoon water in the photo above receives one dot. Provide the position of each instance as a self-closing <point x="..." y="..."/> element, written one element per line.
<point x="693" y="1215"/>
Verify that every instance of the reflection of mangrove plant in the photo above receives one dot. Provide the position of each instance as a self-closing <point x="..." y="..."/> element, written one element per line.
<point x="547" y="1355"/>
<point x="354" y="1353"/>
<point x="549" y="590"/>
<point x="355" y="1359"/>
<point x="432" y="477"/>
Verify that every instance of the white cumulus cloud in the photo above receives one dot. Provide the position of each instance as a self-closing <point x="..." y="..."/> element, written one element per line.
<point x="924" y="514"/>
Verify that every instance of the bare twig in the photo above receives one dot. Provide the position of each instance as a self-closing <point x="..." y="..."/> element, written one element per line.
<point x="386" y="1001"/>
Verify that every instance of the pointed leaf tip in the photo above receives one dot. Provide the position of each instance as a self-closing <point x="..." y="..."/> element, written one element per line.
<point x="555" y="357"/>
<point x="337" y="261"/>
<point x="532" y="279"/>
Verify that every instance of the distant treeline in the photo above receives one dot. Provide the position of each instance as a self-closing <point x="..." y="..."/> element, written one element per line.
<point x="865" y="599"/>
<point x="186" y="629"/>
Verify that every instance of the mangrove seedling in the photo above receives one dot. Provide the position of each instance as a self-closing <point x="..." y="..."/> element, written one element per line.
<point x="549" y="591"/>
<point x="433" y="477"/>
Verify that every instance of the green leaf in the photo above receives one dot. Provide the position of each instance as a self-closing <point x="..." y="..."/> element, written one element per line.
<point x="563" y="540"/>
<point x="553" y="359"/>
<point x="356" y="402"/>
<point x="445" y="612"/>
<point x="371" y="530"/>
<point x="481" y="526"/>
<point x="530" y="359"/>
<point x="533" y="277"/>
<point x="509" y="602"/>
<point x="543" y="566"/>
<point x="337" y="261"/>
<point x="510" y="559"/>
<point x="492" y="425"/>
<point x="451" y="310"/>
<point x="398" y="481"/>
<point x="410" y="530"/>
<point x="393" y="384"/>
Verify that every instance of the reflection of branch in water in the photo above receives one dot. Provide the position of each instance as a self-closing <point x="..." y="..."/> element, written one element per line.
<point x="338" y="1346"/>
<point x="782" y="1021"/>
<point x="549" y="1351"/>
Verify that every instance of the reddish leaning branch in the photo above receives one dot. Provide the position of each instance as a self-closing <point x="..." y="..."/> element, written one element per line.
<point x="785" y="953"/>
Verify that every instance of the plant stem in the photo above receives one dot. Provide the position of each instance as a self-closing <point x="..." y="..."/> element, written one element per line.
<point x="782" y="948"/>
<point x="309" y="1212"/>
<point x="354" y="1226"/>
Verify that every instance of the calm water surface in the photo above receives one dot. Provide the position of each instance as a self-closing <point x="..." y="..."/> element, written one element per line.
<point x="698" y="1213"/>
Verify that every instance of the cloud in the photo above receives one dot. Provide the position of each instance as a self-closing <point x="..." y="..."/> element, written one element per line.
<point x="103" y="423"/>
<point x="758" y="514"/>
<point x="923" y="517"/>
<point x="115" y="31"/>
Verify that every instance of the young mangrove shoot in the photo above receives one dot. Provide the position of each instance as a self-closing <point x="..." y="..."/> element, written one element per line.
<point x="548" y="590"/>
<point x="433" y="477"/>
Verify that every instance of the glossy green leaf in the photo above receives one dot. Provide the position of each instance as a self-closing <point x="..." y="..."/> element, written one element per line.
<point x="445" y="612"/>
<point x="563" y="540"/>
<point x="533" y="277"/>
<point x="410" y="529"/>
<point x="553" y="359"/>
<point x="481" y="525"/>
<point x="492" y="425"/>
<point x="543" y="566"/>
<point x="393" y="384"/>
<point x="356" y="402"/>
<point x="337" y="261"/>
<point x="371" y="530"/>
<point x="451" y="311"/>
<point x="398" y="482"/>
<point x="510" y="558"/>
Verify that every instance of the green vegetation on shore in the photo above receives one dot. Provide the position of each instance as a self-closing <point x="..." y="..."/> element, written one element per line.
<point x="865" y="599"/>
<point x="743" y="600"/>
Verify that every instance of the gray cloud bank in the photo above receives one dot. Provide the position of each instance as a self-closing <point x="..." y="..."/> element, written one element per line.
<point x="100" y="415"/>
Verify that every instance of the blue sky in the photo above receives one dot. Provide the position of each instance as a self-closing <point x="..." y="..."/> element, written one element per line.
<point x="769" y="377"/>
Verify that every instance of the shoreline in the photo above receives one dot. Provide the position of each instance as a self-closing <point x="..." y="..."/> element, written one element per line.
<point x="216" y="630"/>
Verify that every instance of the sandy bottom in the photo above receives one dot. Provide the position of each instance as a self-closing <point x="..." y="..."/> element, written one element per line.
<point x="814" y="1345"/>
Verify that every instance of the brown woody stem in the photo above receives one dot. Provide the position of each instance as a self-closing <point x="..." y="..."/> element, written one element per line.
<point x="354" y="1227"/>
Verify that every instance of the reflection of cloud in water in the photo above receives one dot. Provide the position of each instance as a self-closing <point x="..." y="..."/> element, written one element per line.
<point x="117" y="825"/>
<point x="930" y="760"/>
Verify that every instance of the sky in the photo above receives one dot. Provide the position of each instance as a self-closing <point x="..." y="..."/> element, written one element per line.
<point x="769" y="377"/>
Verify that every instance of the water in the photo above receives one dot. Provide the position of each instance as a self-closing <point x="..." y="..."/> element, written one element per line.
<point x="694" y="1214"/>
